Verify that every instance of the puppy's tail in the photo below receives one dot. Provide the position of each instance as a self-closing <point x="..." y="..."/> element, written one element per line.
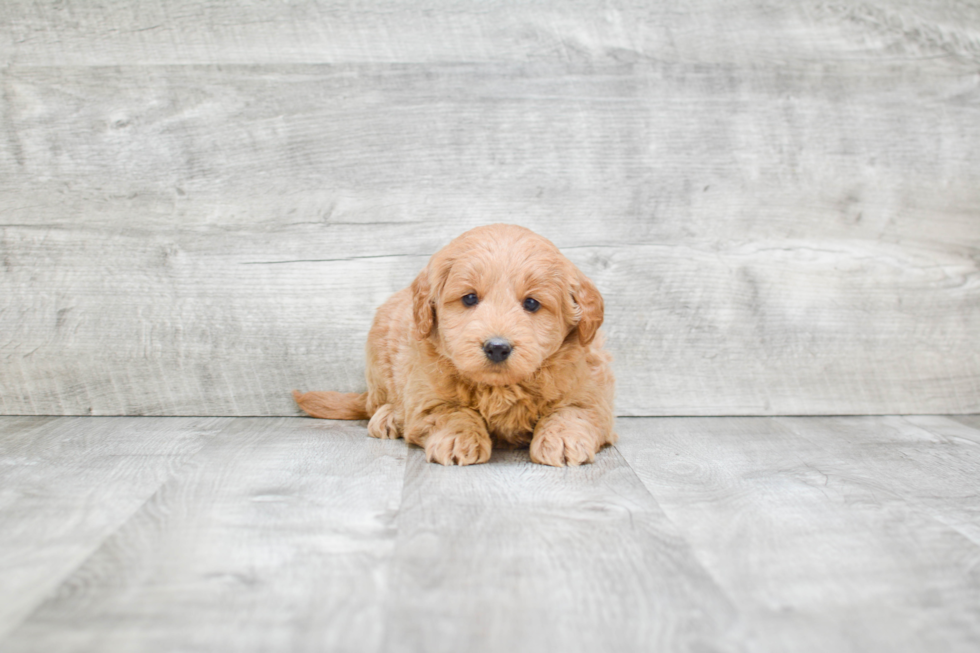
<point x="333" y="405"/>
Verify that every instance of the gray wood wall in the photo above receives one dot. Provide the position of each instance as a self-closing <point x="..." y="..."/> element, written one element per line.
<point x="202" y="203"/>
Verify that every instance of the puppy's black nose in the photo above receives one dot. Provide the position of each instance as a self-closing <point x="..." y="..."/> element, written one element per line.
<point x="496" y="349"/>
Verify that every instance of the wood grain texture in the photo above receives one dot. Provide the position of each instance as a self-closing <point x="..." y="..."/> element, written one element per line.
<point x="930" y="463"/>
<point x="274" y="538"/>
<point x="513" y="556"/>
<point x="201" y="204"/>
<point x="961" y="427"/>
<point x="67" y="484"/>
<point x="973" y="421"/>
<point x="439" y="31"/>
<point x="844" y="534"/>
<point x="696" y="534"/>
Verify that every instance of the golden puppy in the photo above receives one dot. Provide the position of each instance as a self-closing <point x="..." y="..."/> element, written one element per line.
<point x="494" y="342"/>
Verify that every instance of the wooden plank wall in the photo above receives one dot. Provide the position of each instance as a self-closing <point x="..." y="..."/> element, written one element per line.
<point x="202" y="203"/>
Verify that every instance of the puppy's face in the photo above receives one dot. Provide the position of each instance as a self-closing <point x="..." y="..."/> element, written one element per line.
<point x="499" y="300"/>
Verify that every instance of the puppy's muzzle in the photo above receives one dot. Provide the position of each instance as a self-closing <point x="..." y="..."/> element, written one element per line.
<point x="497" y="349"/>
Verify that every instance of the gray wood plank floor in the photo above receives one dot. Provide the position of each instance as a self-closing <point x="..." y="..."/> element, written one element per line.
<point x="283" y="534"/>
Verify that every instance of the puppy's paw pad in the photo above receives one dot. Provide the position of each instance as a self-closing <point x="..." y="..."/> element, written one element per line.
<point x="452" y="448"/>
<point x="382" y="424"/>
<point x="558" y="447"/>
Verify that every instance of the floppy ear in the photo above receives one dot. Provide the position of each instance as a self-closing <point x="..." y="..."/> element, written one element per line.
<point x="590" y="308"/>
<point x="423" y="307"/>
<point x="425" y="289"/>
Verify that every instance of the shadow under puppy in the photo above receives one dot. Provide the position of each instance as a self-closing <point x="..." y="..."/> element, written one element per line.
<point x="495" y="342"/>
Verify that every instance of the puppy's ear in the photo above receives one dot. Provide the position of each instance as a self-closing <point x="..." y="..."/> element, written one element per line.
<point x="423" y="308"/>
<point x="590" y="308"/>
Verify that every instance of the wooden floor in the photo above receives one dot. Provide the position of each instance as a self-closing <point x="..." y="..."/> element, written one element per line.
<point x="290" y="534"/>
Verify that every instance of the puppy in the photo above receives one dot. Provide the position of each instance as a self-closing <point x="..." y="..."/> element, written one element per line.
<point x="495" y="342"/>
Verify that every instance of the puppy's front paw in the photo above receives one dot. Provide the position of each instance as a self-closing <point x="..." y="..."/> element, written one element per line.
<point x="383" y="424"/>
<point x="560" y="441"/>
<point x="449" y="447"/>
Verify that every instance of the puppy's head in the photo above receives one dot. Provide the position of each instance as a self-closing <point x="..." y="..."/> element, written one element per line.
<point x="499" y="300"/>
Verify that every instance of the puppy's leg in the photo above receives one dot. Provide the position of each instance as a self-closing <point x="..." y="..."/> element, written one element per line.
<point x="451" y="436"/>
<point x="570" y="436"/>
<point x="383" y="423"/>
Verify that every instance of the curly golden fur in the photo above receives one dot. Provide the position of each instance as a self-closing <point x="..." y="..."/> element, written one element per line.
<point x="432" y="380"/>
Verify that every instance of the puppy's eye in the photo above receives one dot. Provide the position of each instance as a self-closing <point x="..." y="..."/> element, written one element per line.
<point x="531" y="304"/>
<point x="470" y="300"/>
